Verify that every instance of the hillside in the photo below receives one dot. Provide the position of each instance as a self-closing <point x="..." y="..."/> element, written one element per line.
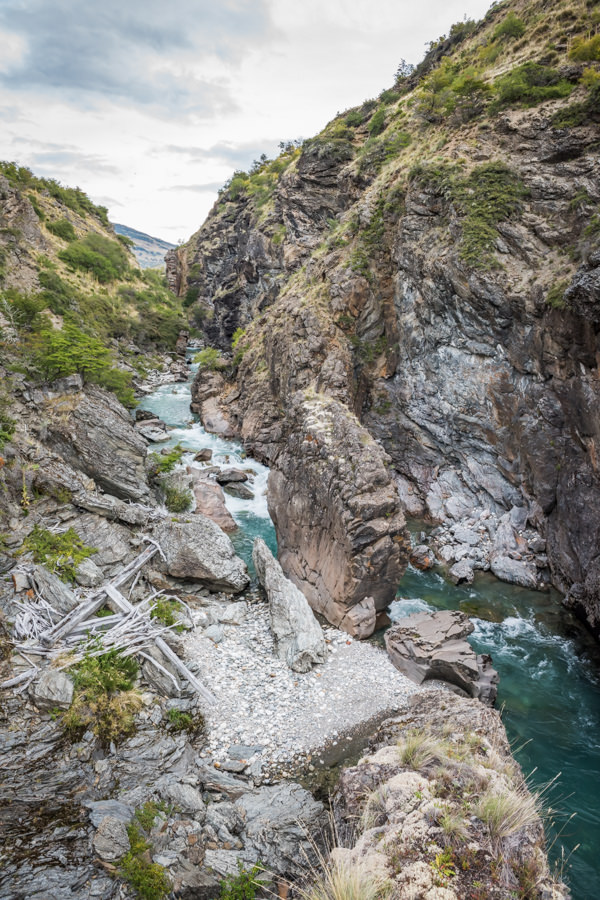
<point x="72" y="296"/>
<point x="149" y="251"/>
<point x="413" y="296"/>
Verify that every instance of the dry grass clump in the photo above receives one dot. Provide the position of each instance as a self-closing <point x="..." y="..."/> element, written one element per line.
<point x="417" y="750"/>
<point x="374" y="812"/>
<point x="455" y="830"/>
<point x="507" y="811"/>
<point x="340" y="879"/>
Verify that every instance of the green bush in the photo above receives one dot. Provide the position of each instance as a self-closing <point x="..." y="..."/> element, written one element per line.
<point x="354" y="118"/>
<point x="556" y="295"/>
<point x="148" y="879"/>
<point x="104" y="258"/>
<point x="57" y="295"/>
<point x="388" y="96"/>
<point x="74" y="198"/>
<point x="177" y="500"/>
<point x="164" y="463"/>
<point x="63" y="229"/>
<point x="191" y="295"/>
<point x="510" y="27"/>
<point x="528" y="85"/>
<point x="106" y="673"/>
<point x="60" y="553"/>
<point x="377" y="123"/>
<point x="60" y="352"/>
<point x="586" y="50"/>
<point x="209" y="359"/>
<point x="244" y="885"/>
<point x="7" y="425"/>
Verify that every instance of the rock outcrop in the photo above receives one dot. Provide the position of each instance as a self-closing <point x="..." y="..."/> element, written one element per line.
<point x="198" y="550"/>
<point x="425" y="646"/>
<point x="95" y="435"/>
<point x="298" y="635"/>
<point x="420" y="796"/>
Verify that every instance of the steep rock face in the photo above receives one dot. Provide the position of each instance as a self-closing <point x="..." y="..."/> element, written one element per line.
<point x="95" y="435"/>
<point x="473" y="364"/>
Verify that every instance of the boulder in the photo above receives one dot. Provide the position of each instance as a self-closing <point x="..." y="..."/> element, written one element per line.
<point x="112" y="508"/>
<point x="425" y="646"/>
<point x="204" y="455"/>
<point x="53" y="689"/>
<point x="462" y="571"/>
<point x="242" y="491"/>
<point x="198" y="550"/>
<point x="88" y="574"/>
<point x="154" y="430"/>
<point x="111" y="841"/>
<point x="210" y="501"/>
<point x="53" y="590"/>
<point x="277" y="821"/>
<point x="226" y="476"/>
<point x="99" y="809"/>
<point x="95" y="435"/>
<point x="298" y="635"/>
<point x="340" y="529"/>
<point x="515" y="571"/>
<point x="422" y="557"/>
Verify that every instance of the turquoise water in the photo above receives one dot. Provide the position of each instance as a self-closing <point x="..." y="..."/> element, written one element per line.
<point x="549" y="666"/>
<point x="550" y="694"/>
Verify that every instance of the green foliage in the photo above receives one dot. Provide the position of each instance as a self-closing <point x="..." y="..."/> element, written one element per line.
<point x="36" y="207"/>
<point x="490" y="194"/>
<point x="24" y="308"/>
<point x="162" y="464"/>
<point x="7" y="425"/>
<point x="259" y="183"/>
<point x="184" y="721"/>
<point x="244" y="885"/>
<point x="148" y="879"/>
<point x="359" y="263"/>
<point x="126" y="241"/>
<point x="510" y="27"/>
<point x="324" y="147"/>
<point x="57" y="294"/>
<point x="452" y="90"/>
<point x="354" y="118"/>
<point x="586" y="50"/>
<point x="104" y="258"/>
<point x="106" y="673"/>
<point x="377" y="123"/>
<point x="63" y="229"/>
<point x="209" y="359"/>
<point x="191" y="295"/>
<point x="388" y="96"/>
<point x="149" y="811"/>
<point x="528" y="85"/>
<point x="278" y="235"/>
<point x="155" y="314"/>
<point x="177" y="500"/>
<point x="60" y="352"/>
<point x="165" y="610"/>
<point x="377" y="151"/>
<point x="581" y="113"/>
<point x="75" y="199"/>
<point x="556" y="295"/>
<point x="60" y="553"/>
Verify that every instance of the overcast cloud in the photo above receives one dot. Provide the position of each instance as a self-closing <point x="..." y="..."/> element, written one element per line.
<point x="155" y="104"/>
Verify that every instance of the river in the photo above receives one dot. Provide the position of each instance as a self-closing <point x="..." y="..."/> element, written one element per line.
<point x="548" y="664"/>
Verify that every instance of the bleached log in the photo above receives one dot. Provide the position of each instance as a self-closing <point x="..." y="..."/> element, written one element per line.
<point x="27" y="676"/>
<point x="120" y="601"/>
<point x="96" y="600"/>
<point x="160" y="668"/>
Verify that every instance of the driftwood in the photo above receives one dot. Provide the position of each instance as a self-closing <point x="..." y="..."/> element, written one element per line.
<point x="130" y="629"/>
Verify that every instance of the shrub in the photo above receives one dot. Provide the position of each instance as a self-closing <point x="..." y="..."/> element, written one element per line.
<point x="74" y="198"/>
<point x="104" y="258"/>
<point x="7" y="425"/>
<point x="184" y="721"/>
<point x="530" y="84"/>
<point x="377" y="123"/>
<point x="165" y="611"/>
<point x="103" y="700"/>
<point x="177" y="500"/>
<point x="507" y="812"/>
<point x="209" y="359"/>
<point x="191" y="295"/>
<point x="388" y="96"/>
<point x="556" y="295"/>
<point x="491" y="194"/>
<point x="244" y="885"/>
<point x="586" y="50"/>
<point x="63" y="352"/>
<point x="418" y="750"/>
<point x="148" y="879"/>
<point x="63" y="229"/>
<point x="57" y="295"/>
<point x="149" y="811"/>
<point x="163" y="463"/>
<point x="510" y="27"/>
<point x="354" y="118"/>
<point x="60" y="553"/>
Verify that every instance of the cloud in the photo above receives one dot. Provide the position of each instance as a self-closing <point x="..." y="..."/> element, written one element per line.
<point x="137" y="52"/>
<point x="226" y="152"/>
<point x="49" y="157"/>
<point x="208" y="188"/>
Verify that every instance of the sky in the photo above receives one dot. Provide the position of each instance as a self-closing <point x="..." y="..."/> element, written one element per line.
<point x="150" y="106"/>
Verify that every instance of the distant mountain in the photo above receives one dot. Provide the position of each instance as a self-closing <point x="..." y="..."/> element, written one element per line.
<point x="149" y="251"/>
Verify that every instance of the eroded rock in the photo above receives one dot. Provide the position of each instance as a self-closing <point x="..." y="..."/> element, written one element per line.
<point x="425" y="646"/>
<point x="198" y="550"/>
<point x="298" y="635"/>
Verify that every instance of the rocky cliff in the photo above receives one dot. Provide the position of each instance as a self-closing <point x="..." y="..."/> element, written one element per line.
<point x="429" y="267"/>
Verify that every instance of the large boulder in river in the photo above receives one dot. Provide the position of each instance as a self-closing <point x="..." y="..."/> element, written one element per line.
<point x="340" y="528"/>
<point x="198" y="550"/>
<point x="427" y="646"/>
<point x="298" y="635"/>
<point x="210" y="500"/>
<point x="95" y="434"/>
